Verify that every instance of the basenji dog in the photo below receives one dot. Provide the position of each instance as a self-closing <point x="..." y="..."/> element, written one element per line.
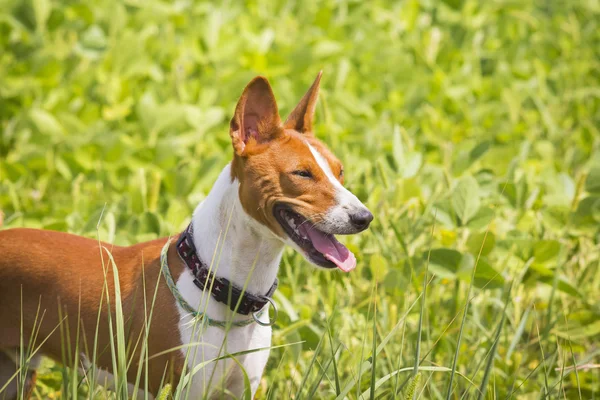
<point x="190" y="304"/>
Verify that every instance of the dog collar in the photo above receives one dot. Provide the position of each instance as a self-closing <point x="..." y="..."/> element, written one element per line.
<point x="221" y="289"/>
<point x="202" y="317"/>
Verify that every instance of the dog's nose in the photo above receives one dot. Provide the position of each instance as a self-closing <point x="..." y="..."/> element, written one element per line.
<point x="361" y="219"/>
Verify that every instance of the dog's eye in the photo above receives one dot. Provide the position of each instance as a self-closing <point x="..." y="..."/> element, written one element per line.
<point x="303" y="173"/>
<point x="341" y="173"/>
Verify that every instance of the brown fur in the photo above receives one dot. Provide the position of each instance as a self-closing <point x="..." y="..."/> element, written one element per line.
<point x="53" y="271"/>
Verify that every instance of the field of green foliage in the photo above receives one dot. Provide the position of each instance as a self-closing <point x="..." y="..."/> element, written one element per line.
<point x="470" y="128"/>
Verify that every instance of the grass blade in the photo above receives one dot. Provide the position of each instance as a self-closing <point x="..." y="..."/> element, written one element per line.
<point x="333" y="353"/>
<point x="490" y="362"/>
<point x="464" y="319"/>
<point x="311" y="393"/>
<point x="366" y="365"/>
<point x="387" y="377"/>
<point x="310" y="366"/>
<point x="537" y="327"/>
<point x="518" y="333"/>
<point x="121" y="356"/>
<point x="374" y="353"/>
<point x="422" y="311"/>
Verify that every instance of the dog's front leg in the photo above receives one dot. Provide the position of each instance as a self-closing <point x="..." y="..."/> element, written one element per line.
<point x="253" y="363"/>
<point x="231" y="383"/>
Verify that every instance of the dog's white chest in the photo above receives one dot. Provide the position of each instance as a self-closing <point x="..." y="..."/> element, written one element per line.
<point x="203" y="345"/>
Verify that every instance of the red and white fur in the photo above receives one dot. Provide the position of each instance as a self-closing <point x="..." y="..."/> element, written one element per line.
<point x="283" y="187"/>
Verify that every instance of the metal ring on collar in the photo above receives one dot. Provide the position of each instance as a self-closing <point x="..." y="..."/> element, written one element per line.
<point x="271" y="320"/>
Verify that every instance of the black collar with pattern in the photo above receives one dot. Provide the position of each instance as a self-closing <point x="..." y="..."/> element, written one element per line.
<point x="222" y="290"/>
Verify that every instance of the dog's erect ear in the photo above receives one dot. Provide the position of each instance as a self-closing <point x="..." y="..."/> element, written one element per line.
<point x="301" y="118"/>
<point x="256" y="119"/>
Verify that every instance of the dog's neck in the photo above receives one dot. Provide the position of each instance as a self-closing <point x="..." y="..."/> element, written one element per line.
<point x="231" y="243"/>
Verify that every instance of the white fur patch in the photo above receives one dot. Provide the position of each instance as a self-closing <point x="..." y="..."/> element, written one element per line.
<point x="338" y="216"/>
<point x="236" y="247"/>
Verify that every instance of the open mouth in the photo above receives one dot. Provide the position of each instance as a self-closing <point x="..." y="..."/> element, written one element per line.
<point x="321" y="248"/>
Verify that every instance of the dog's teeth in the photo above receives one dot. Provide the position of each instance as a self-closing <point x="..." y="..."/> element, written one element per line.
<point x="295" y="224"/>
<point x="300" y="234"/>
<point x="291" y="223"/>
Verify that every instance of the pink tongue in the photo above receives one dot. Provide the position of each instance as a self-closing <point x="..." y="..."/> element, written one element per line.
<point x="333" y="250"/>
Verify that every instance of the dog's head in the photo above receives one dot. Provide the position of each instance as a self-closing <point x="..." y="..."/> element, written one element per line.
<point x="289" y="181"/>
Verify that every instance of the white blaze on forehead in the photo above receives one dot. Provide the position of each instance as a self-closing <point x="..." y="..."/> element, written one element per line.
<point x="325" y="167"/>
<point x="344" y="197"/>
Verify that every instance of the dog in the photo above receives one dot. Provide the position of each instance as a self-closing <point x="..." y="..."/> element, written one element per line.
<point x="204" y="295"/>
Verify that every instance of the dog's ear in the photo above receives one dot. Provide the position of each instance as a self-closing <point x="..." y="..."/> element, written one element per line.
<point x="256" y="119"/>
<point x="301" y="119"/>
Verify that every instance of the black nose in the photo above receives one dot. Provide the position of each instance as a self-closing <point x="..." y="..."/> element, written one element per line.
<point x="361" y="219"/>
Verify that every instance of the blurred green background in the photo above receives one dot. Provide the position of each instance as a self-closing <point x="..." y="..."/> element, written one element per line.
<point x="470" y="128"/>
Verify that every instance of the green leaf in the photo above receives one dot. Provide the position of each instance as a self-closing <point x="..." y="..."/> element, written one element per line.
<point x="94" y="38"/>
<point x="46" y="123"/>
<point x="509" y="190"/>
<point x="479" y="150"/>
<point x="413" y="162"/>
<point x="465" y="199"/>
<point x="379" y="266"/>
<point x="398" y="147"/>
<point x="443" y="214"/>
<point x="588" y="211"/>
<point x="477" y="240"/>
<point x="149" y="222"/>
<point x="63" y="168"/>
<point x="485" y="275"/>
<point x="563" y="285"/>
<point x="42" y="9"/>
<point x="545" y="250"/>
<point x="444" y="262"/>
<point x="326" y="48"/>
<point x="592" y="182"/>
<point x="203" y="120"/>
<point x="586" y="331"/>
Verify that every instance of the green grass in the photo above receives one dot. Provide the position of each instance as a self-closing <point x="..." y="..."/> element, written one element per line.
<point x="470" y="128"/>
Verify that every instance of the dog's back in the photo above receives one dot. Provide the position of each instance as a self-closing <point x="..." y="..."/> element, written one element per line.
<point x="45" y="293"/>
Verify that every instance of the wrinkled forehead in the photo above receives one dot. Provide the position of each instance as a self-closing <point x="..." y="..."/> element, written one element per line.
<point x="308" y="146"/>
